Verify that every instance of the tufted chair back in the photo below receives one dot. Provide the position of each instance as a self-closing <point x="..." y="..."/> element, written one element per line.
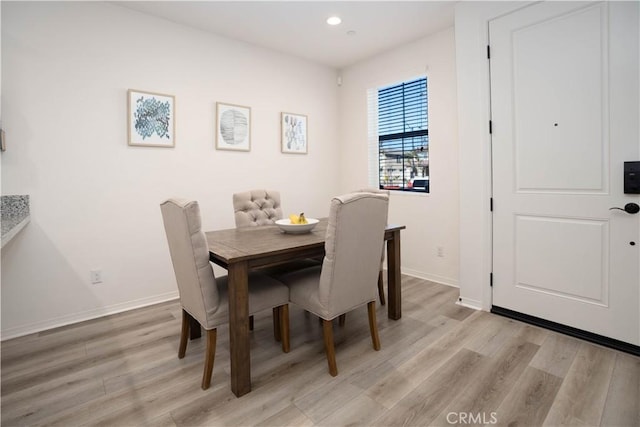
<point x="256" y="207"/>
<point x="190" y="257"/>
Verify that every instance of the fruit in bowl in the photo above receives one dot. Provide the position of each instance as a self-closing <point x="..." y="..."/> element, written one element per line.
<point x="298" y="219"/>
<point x="297" y="224"/>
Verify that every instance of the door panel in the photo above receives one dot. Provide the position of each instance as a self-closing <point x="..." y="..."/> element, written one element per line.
<point x="571" y="251"/>
<point x="564" y="102"/>
<point x="566" y="99"/>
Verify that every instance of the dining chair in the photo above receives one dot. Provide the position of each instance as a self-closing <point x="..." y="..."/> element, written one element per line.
<point x="355" y="233"/>
<point x="204" y="297"/>
<point x="256" y="208"/>
<point x="381" y="273"/>
<point x="343" y="318"/>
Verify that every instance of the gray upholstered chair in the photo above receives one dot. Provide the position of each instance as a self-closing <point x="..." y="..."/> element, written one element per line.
<point x="355" y="234"/>
<point x="203" y="297"/>
<point x="256" y="208"/>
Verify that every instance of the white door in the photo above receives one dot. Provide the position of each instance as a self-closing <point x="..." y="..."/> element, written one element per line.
<point x="565" y="113"/>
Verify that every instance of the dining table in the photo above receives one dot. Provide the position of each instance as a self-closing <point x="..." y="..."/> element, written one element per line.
<point x="241" y="250"/>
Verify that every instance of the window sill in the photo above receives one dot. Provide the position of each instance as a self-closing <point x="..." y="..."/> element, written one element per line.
<point x="409" y="193"/>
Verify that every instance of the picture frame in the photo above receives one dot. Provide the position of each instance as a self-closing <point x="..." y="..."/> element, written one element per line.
<point x="294" y="133"/>
<point x="151" y="119"/>
<point x="233" y="127"/>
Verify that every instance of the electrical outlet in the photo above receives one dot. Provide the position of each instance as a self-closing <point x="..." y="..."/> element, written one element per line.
<point x="96" y="276"/>
<point x="440" y="251"/>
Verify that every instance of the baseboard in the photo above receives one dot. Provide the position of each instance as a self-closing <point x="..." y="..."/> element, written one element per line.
<point x="44" y="325"/>
<point x="568" y="330"/>
<point x="431" y="277"/>
<point x="469" y="303"/>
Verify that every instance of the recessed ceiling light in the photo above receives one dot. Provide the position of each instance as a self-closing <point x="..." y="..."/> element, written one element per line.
<point x="334" y="20"/>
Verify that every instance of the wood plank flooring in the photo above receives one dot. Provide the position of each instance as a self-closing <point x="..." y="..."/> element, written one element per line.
<point x="441" y="364"/>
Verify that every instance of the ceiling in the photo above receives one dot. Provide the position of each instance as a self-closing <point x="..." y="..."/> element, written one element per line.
<point x="299" y="28"/>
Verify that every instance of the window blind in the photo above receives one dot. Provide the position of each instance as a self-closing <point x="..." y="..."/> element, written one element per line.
<point x="403" y="134"/>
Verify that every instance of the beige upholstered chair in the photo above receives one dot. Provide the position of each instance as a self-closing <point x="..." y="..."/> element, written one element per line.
<point x="355" y="233"/>
<point x="203" y="297"/>
<point x="381" y="274"/>
<point x="256" y="207"/>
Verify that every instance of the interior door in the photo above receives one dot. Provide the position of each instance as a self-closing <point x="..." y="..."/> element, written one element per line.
<point x="565" y="109"/>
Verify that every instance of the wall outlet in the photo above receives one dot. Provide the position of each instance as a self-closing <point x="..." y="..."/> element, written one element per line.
<point x="440" y="251"/>
<point x="96" y="276"/>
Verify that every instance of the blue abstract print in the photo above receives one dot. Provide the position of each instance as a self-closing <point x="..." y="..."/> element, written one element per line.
<point x="152" y="116"/>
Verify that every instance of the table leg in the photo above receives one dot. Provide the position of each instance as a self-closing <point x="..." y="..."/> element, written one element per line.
<point x="393" y="276"/>
<point x="239" y="328"/>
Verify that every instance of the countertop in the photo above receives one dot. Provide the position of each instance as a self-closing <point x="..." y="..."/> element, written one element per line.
<point x="15" y="216"/>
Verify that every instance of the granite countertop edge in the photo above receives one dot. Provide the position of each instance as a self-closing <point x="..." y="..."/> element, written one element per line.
<point x="15" y="216"/>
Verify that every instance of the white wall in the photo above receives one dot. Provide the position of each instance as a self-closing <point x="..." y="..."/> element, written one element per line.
<point x="471" y="33"/>
<point x="66" y="68"/>
<point x="431" y="220"/>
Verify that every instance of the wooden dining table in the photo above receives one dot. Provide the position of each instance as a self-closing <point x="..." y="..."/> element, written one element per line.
<point x="241" y="250"/>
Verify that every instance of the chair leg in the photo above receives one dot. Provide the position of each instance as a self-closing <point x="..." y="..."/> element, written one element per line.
<point x="381" y="288"/>
<point x="251" y="323"/>
<point x="209" y="358"/>
<point x="342" y="319"/>
<point x="184" y="334"/>
<point x="276" y="323"/>
<point x="194" y="328"/>
<point x="327" y="331"/>
<point x="283" y="318"/>
<point x="373" y="325"/>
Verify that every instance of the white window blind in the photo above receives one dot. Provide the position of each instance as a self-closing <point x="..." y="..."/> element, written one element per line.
<point x="399" y="136"/>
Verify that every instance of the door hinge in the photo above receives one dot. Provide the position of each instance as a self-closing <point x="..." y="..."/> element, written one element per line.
<point x="491" y="204"/>
<point x="490" y="126"/>
<point x="488" y="52"/>
<point x="491" y="279"/>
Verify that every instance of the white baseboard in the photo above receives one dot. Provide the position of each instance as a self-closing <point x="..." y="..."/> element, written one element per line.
<point x="470" y="303"/>
<point x="44" y="325"/>
<point x="431" y="277"/>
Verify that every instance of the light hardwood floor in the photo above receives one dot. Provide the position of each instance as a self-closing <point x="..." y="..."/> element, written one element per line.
<point x="441" y="364"/>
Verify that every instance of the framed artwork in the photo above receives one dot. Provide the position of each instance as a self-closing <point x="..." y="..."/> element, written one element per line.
<point x="294" y="133"/>
<point x="151" y="120"/>
<point x="233" y="127"/>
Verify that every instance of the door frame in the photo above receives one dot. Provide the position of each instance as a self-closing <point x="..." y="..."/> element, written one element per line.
<point x="474" y="111"/>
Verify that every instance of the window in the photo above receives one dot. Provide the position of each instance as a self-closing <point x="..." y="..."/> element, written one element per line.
<point x="402" y="136"/>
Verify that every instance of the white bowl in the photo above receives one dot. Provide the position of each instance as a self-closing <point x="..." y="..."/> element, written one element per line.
<point x="286" y="226"/>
